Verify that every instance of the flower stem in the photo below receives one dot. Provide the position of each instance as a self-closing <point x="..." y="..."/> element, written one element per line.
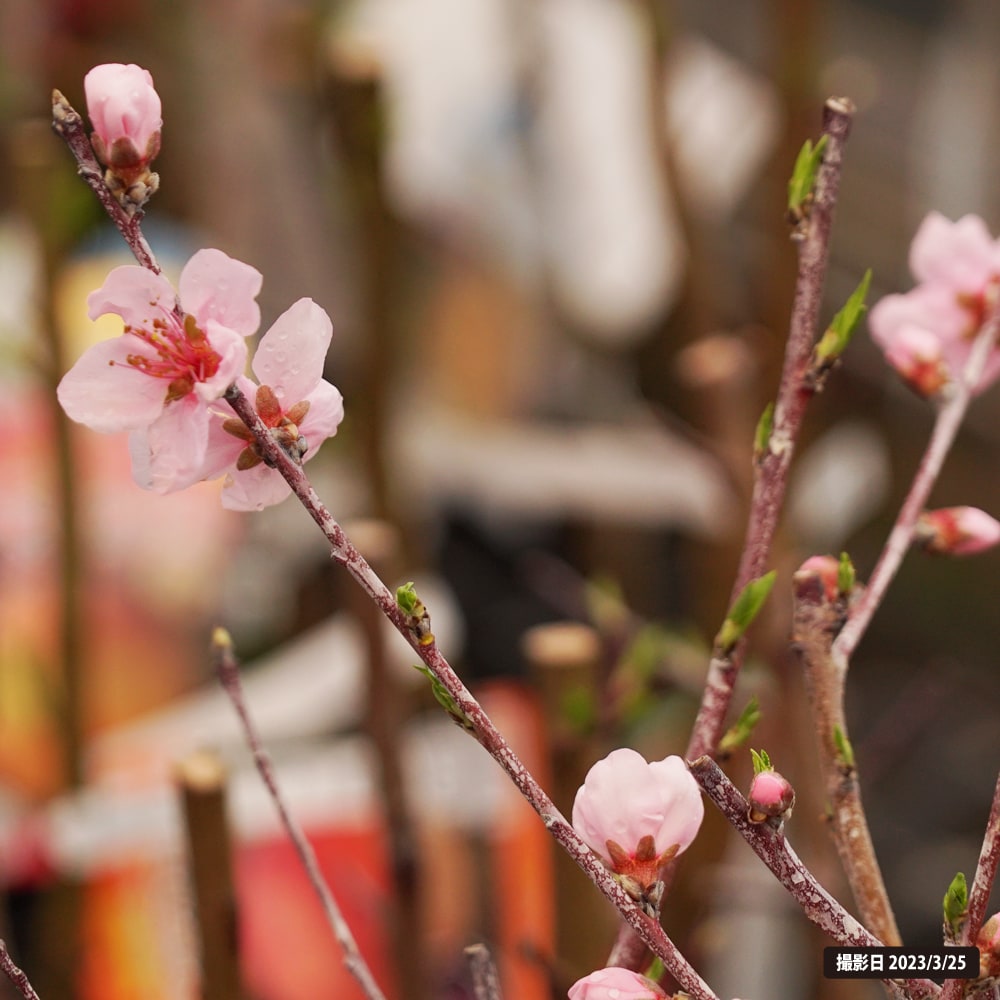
<point x="480" y="724"/>
<point x="946" y="426"/>
<point x="228" y="669"/>
<point x="794" y="393"/>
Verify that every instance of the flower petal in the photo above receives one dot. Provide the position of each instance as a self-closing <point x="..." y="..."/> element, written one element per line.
<point x="291" y="354"/>
<point x="254" y="489"/>
<point x="134" y="293"/>
<point x="105" y="392"/>
<point x="232" y="351"/>
<point x="214" y="286"/>
<point x="959" y="254"/>
<point x="174" y="447"/>
<point x="326" y="410"/>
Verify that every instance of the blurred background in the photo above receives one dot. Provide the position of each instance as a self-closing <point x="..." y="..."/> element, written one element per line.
<point x="551" y="237"/>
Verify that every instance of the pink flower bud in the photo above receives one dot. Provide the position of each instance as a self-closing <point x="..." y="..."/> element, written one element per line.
<point x="819" y="574"/>
<point x="637" y="816"/>
<point x="614" y="983"/>
<point x="771" y="795"/>
<point x="125" y="112"/>
<point x="988" y="943"/>
<point x="957" y="531"/>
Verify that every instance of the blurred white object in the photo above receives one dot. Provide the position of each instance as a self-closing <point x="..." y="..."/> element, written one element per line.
<point x="723" y="121"/>
<point x="635" y="472"/>
<point x="840" y="481"/>
<point x="533" y="125"/>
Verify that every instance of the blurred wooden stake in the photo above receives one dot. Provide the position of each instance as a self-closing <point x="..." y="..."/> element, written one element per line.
<point x="564" y="659"/>
<point x="379" y="542"/>
<point x="201" y="778"/>
<point x="485" y="980"/>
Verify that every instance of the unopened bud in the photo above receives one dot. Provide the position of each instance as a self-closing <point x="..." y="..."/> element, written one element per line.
<point x="124" y="109"/>
<point x="957" y="531"/>
<point x="771" y="797"/>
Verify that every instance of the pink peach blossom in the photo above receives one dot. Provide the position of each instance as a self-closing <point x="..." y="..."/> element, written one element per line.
<point x="124" y="109"/>
<point x="927" y="333"/>
<point x="624" y="800"/>
<point x="614" y="983"/>
<point x="299" y="407"/>
<point x="173" y="358"/>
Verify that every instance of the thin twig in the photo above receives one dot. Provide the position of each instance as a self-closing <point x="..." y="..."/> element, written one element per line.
<point x="816" y="620"/>
<point x="774" y="850"/>
<point x="485" y="980"/>
<point x="229" y="675"/>
<point x="979" y="893"/>
<point x="794" y="393"/>
<point x="15" y="975"/>
<point x="946" y="426"/>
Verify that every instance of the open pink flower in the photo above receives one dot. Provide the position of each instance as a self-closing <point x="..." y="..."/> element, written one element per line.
<point x="124" y="109"/>
<point x="614" y="983"/>
<point x="927" y="333"/>
<point x="299" y="407"/>
<point x="636" y="815"/>
<point x="157" y="379"/>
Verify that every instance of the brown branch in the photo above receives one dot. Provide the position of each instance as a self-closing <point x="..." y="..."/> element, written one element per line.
<point x="816" y="620"/>
<point x="979" y="894"/>
<point x="15" y="975"/>
<point x="774" y="850"/>
<point x="794" y="393"/>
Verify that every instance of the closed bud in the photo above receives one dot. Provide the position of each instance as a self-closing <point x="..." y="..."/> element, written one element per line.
<point x="124" y="109"/>
<point x="614" y="983"/>
<point x="957" y="531"/>
<point x="771" y="797"/>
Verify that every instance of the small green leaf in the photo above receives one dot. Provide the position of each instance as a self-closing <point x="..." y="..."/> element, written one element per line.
<point x="743" y="611"/>
<point x="739" y="732"/>
<point x="844" y="749"/>
<point x="838" y="335"/>
<point x="846" y="577"/>
<point x="443" y="697"/>
<point x="761" y="761"/>
<point x="956" y="904"/>
<point x="762" y="435"/>
<point x="656" y="969"/>
<point x="804" y="174"/>
<point x="406" y="598"/>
